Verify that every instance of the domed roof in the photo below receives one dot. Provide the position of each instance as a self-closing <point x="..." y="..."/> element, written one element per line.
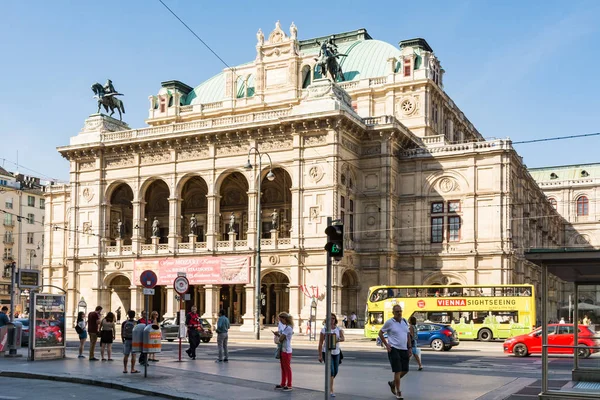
<point x="365" y="59"/>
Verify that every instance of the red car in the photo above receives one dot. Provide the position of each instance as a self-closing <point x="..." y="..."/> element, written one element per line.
<point x="559" y="335"/>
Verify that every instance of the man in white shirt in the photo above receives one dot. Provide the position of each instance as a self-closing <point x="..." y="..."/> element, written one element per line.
<point x="398" y="345"/>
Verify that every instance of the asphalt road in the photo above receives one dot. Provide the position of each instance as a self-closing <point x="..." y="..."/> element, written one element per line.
<point x="14" y="389"/>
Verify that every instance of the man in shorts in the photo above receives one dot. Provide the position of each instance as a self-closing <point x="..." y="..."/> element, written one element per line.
<point x="398" y="345"/>
<point x="127" y="337"/>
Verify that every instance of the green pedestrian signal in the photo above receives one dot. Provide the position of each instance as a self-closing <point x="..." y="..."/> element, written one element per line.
<point x="335" y="240"/>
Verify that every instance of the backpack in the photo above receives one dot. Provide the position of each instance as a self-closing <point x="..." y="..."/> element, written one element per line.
<point x="78" y="329"/>
<point x="128" y="329"/>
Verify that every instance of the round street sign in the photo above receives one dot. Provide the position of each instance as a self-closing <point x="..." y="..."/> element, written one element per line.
<point x="148" y="279"/>
<point x="181" y="284"/>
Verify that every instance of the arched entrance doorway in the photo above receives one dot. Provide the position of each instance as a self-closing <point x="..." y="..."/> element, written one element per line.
<point x="275" y="288"/>
<point x="232" y="300"/>
<point x="276" y="198"/>
<point x="157" y="207"/>
<point x="194" y="203"/>
<point x="120" y="294"/>
<point x="350" y="289"/>
<point x="234" y="201"/>
<point x="121" y="208"/>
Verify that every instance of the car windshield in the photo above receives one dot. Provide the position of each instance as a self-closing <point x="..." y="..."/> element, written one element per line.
<point x="25" y="322"/>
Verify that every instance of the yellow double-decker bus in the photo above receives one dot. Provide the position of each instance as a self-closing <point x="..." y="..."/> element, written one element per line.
<point x="483" y="312"/>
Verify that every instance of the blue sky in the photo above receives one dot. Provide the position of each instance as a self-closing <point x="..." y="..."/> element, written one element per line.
<point x="519" y="69"/>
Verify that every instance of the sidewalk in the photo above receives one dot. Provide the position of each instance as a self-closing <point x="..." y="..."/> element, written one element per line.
<point x="254" y="378"/>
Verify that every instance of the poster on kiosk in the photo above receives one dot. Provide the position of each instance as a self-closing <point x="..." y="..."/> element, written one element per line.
<point x="48" y="331"/>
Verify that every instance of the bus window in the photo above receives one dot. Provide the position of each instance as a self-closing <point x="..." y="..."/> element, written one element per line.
<point x="420" y="316"/>
<point x="376" y="318"/>
<point x="506" y="317"/>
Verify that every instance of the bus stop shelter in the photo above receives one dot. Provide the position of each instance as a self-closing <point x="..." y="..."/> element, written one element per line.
<point x="582" y="268"/>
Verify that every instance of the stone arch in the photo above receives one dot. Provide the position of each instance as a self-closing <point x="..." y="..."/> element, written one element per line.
<point x="119" y="287"/>
<point x="193" y="192"/>
<point x="444" y="278"/>
<point x="276" y="197"/>
<point x="111" y="187"/>
<point x="216" y="188"/>
<point x="156" y="194"/>
<point x="350" y="291"/>
<point x="233" y="201"/>
<point x="148" y="182"/>
<point x="275" y="288"/>
<point x="120" y="200"/>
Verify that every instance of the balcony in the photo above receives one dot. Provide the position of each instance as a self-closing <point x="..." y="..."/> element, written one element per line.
<point x="8" y="223"/>
<point x="8" y="240"/>
<point x="7" y="257"/>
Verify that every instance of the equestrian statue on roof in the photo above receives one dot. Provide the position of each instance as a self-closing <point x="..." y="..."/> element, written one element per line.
<point x="106" y="97"/>
<point x="328" y="60"/>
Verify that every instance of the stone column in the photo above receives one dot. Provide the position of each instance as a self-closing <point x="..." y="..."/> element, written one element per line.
<point x="136" y="303"/>
<point x="171" y="304"/>
<point x="212" y="230"/>
<point x="278" y="290"/>
<point x="230" y="316"/>
<point x="268" y="301"/>
<point x="212" y="302"/>
<point x="174" y="223"/>
<point x="251" y="233"/>
<point x="201" y="301"/>
<point x="137" y="234"/>
<point x="248" y="317"/>
<point x="238" y="296"/>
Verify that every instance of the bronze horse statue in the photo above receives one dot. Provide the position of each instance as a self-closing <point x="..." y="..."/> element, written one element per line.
<point x="328" y="61"/>
<point x="108" y="100"/>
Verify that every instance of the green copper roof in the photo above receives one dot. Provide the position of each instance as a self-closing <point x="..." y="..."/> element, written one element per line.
<point x="366" y="58"/>
<point x="565" y="172"/>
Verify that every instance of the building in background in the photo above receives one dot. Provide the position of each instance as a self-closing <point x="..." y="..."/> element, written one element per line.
<point x="424" y="198"/>
<point x="22" y="209"/>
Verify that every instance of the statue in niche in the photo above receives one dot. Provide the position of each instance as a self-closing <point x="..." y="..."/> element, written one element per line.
<point x="120" y="229"/>
<point x="155" y="228"/>
<point x="193" y="224"/>
<point x="274" y="216"/>
<point x="231" y="222"/>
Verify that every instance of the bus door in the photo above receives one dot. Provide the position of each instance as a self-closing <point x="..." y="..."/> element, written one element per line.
<point x="504" y="323"/>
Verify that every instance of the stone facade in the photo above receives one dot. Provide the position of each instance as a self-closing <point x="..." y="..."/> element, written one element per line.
<point x="380" y="152"/>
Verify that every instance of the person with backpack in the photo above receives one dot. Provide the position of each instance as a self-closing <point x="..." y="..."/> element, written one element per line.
<point x="399" y="347"/>
<point x="127" y="337"/>
<point x="80" y="329"/>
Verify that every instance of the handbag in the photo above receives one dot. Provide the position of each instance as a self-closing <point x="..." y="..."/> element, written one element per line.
<point x="78" y="329"/>
<point x="278" y="351"/>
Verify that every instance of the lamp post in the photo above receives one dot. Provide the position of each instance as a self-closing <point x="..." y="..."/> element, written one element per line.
<point x="270" y="177"/>
<point x="31" y="254"/>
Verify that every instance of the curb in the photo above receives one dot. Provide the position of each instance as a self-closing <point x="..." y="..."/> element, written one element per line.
<point x="91" y="382"/>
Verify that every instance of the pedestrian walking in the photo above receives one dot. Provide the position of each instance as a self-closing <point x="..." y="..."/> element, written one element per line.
<point x="153" y="321"/>
<point x="118" y="312"/>
<point x="336" y="353"/>
<point x="192" y="321"/>
<point x="93" y="322"/>
<point x="107" y="335"/>
<point x="222" y="333"/>
<point x="81" y="331"/>
<point x="399" y="347"/>
<point x="284" y="335"/>
<point x="353" y="319"/>
<point x="127" y="337"/>
<point x="414" y="336"/>
<point x="586" y="320"/>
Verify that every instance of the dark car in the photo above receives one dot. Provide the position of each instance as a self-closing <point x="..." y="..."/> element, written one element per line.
<point x="170" y="330"/>
<point x="439" y="336"/>
<point x="561" y="335"/>
<point x="24" y="331"/>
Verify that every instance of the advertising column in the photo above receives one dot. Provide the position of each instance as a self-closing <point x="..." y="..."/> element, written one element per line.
<point x="48" y="330"/>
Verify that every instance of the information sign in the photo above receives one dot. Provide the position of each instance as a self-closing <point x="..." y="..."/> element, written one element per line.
<point x="28" y="279"/>
<point x="148" y="292"/>
<point x="181" y="284"/>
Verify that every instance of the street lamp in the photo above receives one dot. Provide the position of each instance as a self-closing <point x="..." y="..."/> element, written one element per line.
<point x="270" y="177"/>
<point x="31" y="254"/>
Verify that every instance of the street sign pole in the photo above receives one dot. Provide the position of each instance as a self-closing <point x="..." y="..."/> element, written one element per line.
<point x="180" y="322"/>
<point x="148" y="279"/>
<point x="181" y="286"/>
<point x="328" y="324"/>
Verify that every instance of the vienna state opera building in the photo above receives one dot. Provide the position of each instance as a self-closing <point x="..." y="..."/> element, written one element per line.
<point x="424" y="198"/>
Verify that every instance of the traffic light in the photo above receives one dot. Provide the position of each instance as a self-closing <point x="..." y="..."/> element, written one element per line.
<point x="335" y="240"/>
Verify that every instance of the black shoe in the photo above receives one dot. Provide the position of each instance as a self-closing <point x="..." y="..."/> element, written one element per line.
<point x="189" y="353"/>
<point x="392" y="387"/>
<point x="226" y="360"/>
<point x="218" y="361"/>
<point x="287" y="389"/>
<point x="278" y="387"/>
<point x="93" y="359"/>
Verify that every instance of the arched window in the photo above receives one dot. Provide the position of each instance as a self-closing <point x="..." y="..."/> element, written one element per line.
<point x="306" y="76"/>
<point x="553" y="202"/>
<point x="582" y="206"/>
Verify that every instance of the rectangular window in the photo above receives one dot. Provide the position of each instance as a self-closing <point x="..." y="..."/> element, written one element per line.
<point x="351" y="205"/>
<point x="8" y="221"/>
<point x="437" y="229"/>
<point x="437" y="207"/>
<point x="31" y="201"/>
<point x="454" y="229"/>
<point x="351" y="225"/>
<point x="30" y="218"/>
<point x="342" y="202"/>
<point x="29" y="237"/>
<point x="342" y="216"/>
<point x="9" y="203"/>
<point x="407" y="67"/>
<point x="454" y="206"/>
<point x="42" y="203"/>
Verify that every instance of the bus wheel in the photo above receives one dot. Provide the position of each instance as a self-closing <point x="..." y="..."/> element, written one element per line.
<point x="583" y="352"/>
<point x="520" y="350"/>
<point x="485" y="335"/>
<point x="437" y="344"/>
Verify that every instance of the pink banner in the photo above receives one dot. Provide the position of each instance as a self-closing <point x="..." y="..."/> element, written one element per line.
<point x="199" y="270"/>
